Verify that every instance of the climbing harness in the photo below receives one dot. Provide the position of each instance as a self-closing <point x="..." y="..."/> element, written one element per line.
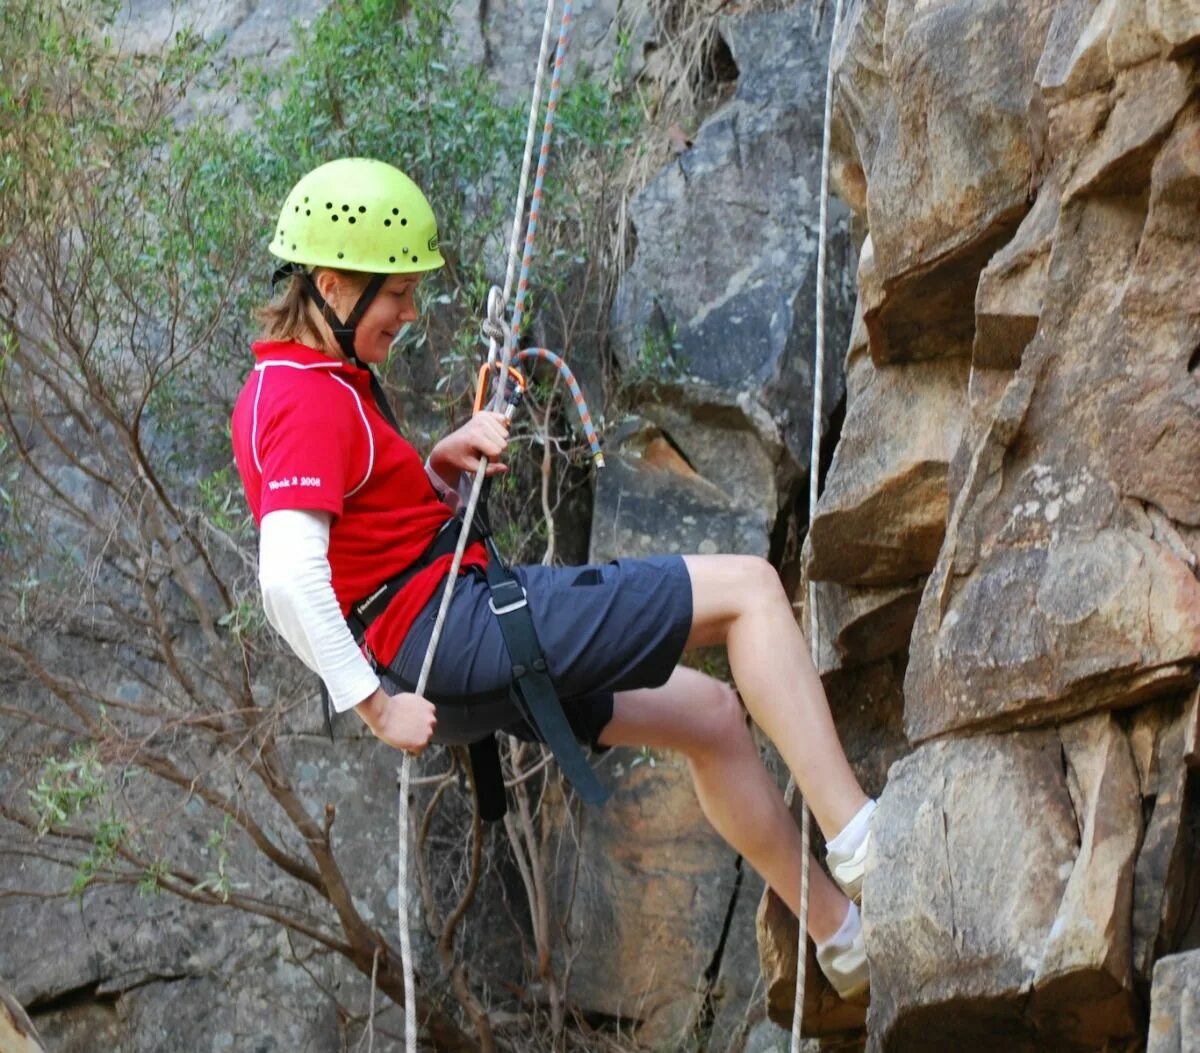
<point x="814" y="464"/>
<point x="531" y="687"/>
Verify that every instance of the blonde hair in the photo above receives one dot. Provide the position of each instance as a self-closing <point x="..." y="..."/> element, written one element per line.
<point x="291" y="314"/>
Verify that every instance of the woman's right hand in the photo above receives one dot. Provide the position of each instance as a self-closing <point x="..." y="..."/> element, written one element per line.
<point x="404" y="721"/>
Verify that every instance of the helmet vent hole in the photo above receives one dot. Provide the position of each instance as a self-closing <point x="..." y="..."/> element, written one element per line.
<point x="329" y="204"/>
<point x="340" y="255"/>
<point x="391" y="259"/>
<point x="362" y="209"/>
<point x="387" y="222"/>
<point x="404" y="222"/>
<point x="306" y="201"/>
<point x="405" y="250"/>
<point x="395" y="212"/>
<point x="308" y="211"/>
<point x="351" y="219"/>
<point x="414" y="259"/>
<point x="345" y="208"/>
<point x="297" y="208"/>
<point x="334" y="217"/>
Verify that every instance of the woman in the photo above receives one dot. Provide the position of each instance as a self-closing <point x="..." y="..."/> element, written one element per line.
<point x="344" y="503"/>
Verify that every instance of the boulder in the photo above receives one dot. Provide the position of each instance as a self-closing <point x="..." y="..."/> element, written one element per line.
<point x="955" y="911"/>
<point x="1008" y="300"/>
<point x="1175" y="1005"/>
<point x="722" y="283"/>
<point x="650" y="499"/>
<point x="1055" y="591"/>
<point x="950" y="175"/>
<point x="882" y="515"/>
<point x="1167" y="878"/>
<point x="1037" y="635"/>
<point x="867" y="705"/>
<point x="964" y="919"/>
<point x="859" y="626"/>
<point x="825" y="1015"/>
<point x="1083" y="983"/>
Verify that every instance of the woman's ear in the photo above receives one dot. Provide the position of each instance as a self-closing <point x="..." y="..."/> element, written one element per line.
<point x="328" y="284"/>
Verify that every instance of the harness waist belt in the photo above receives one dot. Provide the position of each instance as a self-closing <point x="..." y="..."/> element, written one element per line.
<point x="363" y="612"/>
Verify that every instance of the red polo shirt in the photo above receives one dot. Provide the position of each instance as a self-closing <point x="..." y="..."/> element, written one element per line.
<point x="308" y="435"/>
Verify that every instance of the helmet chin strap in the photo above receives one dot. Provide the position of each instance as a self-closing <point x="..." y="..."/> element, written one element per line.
<point x="343" y="331"/>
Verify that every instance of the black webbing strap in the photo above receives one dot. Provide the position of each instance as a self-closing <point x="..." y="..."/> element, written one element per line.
<point x="531" y="687"/>
<point x="343" y="331"/>
<point x="488" y="779"/>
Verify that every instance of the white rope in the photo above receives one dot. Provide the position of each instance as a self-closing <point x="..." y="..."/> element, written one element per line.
<point x="499" y="334"/>
<point x="410" y="995"/>
<point x="814" y="465"/>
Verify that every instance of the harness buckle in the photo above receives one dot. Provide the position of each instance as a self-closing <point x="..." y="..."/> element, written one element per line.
<point x="508" y="608"/>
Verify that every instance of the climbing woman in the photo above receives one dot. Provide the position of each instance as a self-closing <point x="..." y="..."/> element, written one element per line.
<point x="356" y="536"/>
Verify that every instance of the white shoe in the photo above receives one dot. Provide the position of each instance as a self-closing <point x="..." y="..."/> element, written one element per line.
<point x="848" y="870"/>
<point x="846" y="967"/>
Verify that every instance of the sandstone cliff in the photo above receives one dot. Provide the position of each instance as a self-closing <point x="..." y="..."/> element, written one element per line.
<point x="1020" y="452"/>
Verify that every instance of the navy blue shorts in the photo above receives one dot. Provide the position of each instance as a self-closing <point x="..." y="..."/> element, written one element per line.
<point x="603" y="628"/>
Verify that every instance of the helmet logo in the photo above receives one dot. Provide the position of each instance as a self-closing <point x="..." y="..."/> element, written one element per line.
<point x="433" y="243"/>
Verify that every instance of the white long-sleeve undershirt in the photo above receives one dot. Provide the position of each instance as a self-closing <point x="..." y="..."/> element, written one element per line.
<point x="298" y="597"/>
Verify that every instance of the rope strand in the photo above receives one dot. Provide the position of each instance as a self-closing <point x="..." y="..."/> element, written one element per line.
<point x="498" y="334"/>
<point x="814" y="466"/>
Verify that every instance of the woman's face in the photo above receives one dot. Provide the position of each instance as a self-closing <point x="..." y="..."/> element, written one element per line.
<point x="393" y="307"/>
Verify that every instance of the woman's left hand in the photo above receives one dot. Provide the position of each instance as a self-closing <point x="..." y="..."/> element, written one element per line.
<point x="484" y="435"/>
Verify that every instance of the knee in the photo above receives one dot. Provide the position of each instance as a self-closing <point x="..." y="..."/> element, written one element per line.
<point x="724" y="724"/>
<point x="760" y="584"/>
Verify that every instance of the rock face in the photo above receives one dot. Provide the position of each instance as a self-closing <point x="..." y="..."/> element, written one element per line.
<point x="713" y="329"/>
<point x="505" y="36"/>
<point x="721" y="288"/>
<point x="657" y="882"/>
<point x="948" y="169"/>
<point x="1056" y="591"/>
<point x="1021" y="444"/>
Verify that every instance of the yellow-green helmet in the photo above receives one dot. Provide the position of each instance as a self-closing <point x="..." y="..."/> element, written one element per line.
<point x="357" y="214"/>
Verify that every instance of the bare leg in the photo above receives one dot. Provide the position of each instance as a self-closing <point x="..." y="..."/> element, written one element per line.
<point x="702" y="718"/>
<point x="738" y="601"/>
